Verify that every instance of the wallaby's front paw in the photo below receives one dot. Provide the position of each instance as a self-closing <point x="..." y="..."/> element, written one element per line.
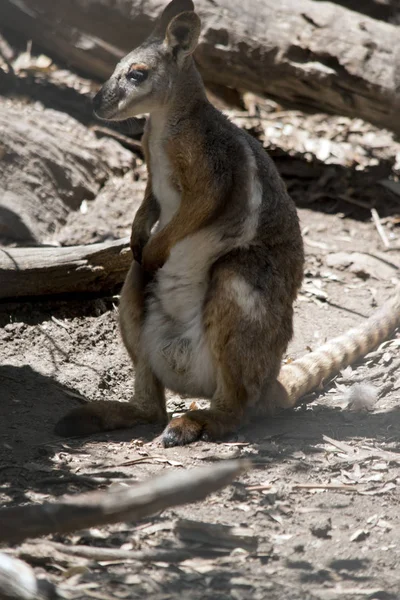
<point x="138" y="242"/>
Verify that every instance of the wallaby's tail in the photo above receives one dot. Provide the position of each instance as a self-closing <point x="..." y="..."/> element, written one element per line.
<point x="307" y="373"/>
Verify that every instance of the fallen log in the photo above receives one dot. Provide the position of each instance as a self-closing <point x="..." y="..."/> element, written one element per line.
<point x="49" y="164"/>
<point x="112" y="506"/>
<point x="42" y="89"/>
<point x="49" y="270"/>
<point x="316" y="55"/>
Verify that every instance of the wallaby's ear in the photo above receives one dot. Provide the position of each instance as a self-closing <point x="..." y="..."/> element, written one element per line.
<point x="174" y="8"/>
<point x="183" y="33"/>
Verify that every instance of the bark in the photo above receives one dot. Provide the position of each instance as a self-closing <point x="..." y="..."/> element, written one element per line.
<point x="49" y="164"/>
<point x="113" y="506"/>
<point x="40" y="271"/>
<point x="317" y="55"/>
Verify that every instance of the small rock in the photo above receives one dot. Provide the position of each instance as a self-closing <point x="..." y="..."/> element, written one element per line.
<point x="239" y="492"/>
<point x="322" y="529"/>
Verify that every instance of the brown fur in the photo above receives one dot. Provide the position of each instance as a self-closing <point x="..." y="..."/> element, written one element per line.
<point x="201" y="198"/>
<point x="207" y="308"/>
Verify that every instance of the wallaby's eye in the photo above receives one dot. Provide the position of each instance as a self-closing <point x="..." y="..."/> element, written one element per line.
<point x="137" y="75"/>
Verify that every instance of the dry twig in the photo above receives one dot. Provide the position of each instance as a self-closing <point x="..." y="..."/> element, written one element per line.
<point x="379" y="227"/>
<point x="47" y="551"/>
<point x="307" y="486"/>
<point x="120" y="137"/>
<point x="363" y="453"/>
<point x="216" y="535"/>
<point x="111" y="506"/>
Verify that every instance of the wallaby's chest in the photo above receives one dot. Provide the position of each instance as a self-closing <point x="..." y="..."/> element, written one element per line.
<point x="167" y="194"/>
<point x="173" y="331"/>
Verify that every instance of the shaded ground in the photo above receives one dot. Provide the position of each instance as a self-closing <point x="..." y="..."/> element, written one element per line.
<point x="328" y="520"/>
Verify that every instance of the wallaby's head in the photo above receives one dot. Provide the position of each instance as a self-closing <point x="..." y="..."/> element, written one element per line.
<point x="143" y="80"/>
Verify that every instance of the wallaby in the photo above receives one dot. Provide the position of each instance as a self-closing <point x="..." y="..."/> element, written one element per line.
<point x="207" y="306"/>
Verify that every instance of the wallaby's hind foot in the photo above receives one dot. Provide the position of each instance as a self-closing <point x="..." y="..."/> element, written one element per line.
<point x="96" y="417"/>
<point x="147" y="406"/>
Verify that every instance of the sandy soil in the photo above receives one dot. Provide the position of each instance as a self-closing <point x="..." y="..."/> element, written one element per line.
<point x="57" y="354"/>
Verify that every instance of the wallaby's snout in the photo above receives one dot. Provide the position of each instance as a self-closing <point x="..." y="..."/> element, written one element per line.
<point x="107" y="99"/>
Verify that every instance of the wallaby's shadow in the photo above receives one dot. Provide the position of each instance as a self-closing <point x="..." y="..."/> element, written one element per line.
<point x="32" y="403"/>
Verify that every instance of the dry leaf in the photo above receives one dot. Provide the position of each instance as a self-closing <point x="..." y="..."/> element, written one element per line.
<point x="359" y="536"/>
<point x="377" y="492"/>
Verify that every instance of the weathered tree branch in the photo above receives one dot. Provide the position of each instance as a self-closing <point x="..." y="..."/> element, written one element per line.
<point x="311" y="54"/>
<point x="111" y="506"/>
<point x="49" y="164"/>
<point x="41" y="271"/>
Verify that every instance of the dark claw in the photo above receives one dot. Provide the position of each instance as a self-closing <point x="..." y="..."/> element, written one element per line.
<point x="170" y="439"/>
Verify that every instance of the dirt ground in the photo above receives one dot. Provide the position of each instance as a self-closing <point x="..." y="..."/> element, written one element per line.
<point x="327" y="527"/>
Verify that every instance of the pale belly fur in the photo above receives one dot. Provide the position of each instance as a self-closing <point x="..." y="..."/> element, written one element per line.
<point x="173" y="332"/>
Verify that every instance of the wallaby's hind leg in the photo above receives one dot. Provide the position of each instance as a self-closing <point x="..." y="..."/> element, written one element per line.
<point x="148" y="402"/>
<point x="131" y="310"/>
<point x="248" y="327"/>
<point x="149" y="396"/>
